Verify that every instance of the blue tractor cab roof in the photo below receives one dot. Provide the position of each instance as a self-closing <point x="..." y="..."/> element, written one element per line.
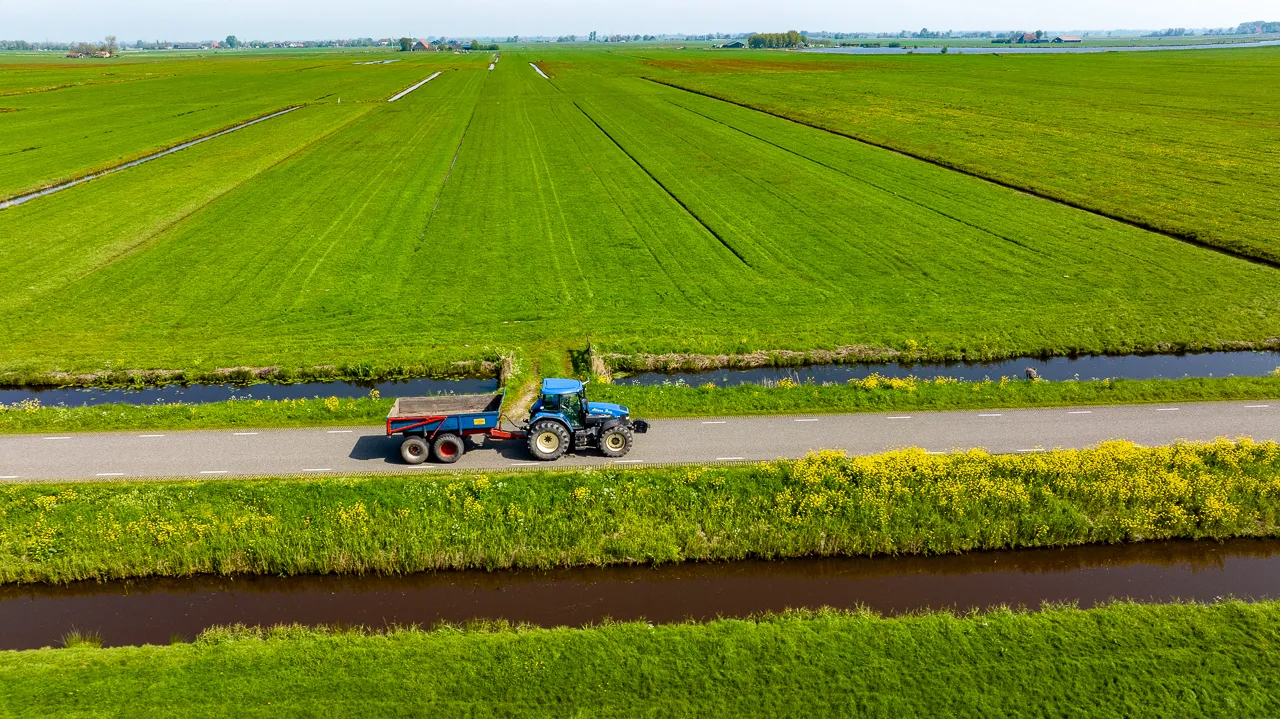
<point x="561" y="386"/>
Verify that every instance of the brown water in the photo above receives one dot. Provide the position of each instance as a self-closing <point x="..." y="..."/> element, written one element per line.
<point x="153" y="611"/>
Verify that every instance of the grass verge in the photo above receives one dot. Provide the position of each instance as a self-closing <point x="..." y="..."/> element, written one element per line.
<point x="892" y="395"/>
<point x="655" y="402"/>
<point x="1119" y="660"/>
<point x="824" y="504"/>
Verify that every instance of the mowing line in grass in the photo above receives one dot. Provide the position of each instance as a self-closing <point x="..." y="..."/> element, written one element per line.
<point x="1182" y="237"/>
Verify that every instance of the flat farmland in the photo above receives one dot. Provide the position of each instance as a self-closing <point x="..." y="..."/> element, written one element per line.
<point x="1186" y="142"/>
<point x="494" y="210"/>
<point x="63" y="121"/>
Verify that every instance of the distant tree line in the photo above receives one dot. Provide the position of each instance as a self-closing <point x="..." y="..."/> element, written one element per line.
<point x="1257" y="26"/>
<point x="790" y="38"/>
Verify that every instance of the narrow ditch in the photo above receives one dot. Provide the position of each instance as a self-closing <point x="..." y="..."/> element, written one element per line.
<point x="1181" y="237"/>
<point x="15" y="201"/>
<point x="411" y="88"/>
<point x="665" y="189"/>
<point x="155" y="611"/>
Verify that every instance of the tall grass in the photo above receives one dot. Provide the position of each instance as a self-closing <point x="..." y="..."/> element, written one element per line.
<point x="825" y="504"/>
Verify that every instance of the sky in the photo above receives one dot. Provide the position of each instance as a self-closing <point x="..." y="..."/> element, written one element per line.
<point x="328" y="19"/>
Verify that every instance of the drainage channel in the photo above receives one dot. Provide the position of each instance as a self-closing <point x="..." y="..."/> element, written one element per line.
<point x="89" y="396"/>
<point x="1169" y="366"/>
<point x="12" y="202"/>
<point x="156" y="611"/>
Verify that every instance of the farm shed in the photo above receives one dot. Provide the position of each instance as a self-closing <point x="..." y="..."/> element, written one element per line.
<point x="736" y="44"/>
<point x="1026" y="37"/>
<point x="1068" y="38"/>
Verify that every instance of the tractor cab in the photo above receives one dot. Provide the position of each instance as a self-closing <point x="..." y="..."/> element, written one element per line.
<point x="562" y="418"/>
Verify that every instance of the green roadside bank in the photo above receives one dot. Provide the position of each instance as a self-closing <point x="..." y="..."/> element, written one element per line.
<point x="664" y="401"/>
<point x="1118" y="660"/>
<point x="825" y="504"/>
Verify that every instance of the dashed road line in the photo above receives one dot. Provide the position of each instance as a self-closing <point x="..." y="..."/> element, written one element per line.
<point x="1167" y="409"/>
<point x="213" y="471"/>
<point x="630" y="461"/>
<point x="8" y="476"/>
<point x="57" y="438"/>
<point x="720" y="422"/>
<point x="902" y="417"/>
<point x="146" y="436"/>
<point x="340" y="431"/>
<point x="523" y="464"/>
<point x="1081" y="411"/>
<point x="245" y="434"/>
<point x="727" y="459"/>
<point x="320" y="469"/>
<point x="805" y="420"/>
<point x="109" y="474"/>
<point x="990" y="415"/>
<point x="1256" y="406"/>
<point x="1031" y="450"/>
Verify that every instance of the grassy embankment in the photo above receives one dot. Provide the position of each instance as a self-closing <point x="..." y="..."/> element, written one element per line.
<point x="1108" y="136"/>
<point x="657" y="402"/>
<point x="1121" y="660"/>
<point x="825" y="504"/>
<point x="670" y="223"/>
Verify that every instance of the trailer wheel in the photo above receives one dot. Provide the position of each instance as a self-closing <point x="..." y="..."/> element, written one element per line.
<point x="414" y="450"/>
<point x="615" y="441"/>
<point x="548" y="440"/>
<point x="448" y="448"/>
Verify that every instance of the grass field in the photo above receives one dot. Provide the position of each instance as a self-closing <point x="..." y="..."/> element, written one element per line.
<point x="1103" y="132"/>
<point x="824" y="504"/>
<point x="1121" y="660"/>
<point x="495" y="210"/>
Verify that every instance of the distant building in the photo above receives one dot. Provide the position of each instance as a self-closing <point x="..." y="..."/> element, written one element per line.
<point x="1026" y="37"/>
<point x="421" y="45"/>
<point x="1068" y="38"/>
<point x="735" y="45"/>
<point x="75" y="54"/>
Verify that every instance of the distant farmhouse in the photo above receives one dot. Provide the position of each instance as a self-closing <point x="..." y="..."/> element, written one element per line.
<point x="421" y="45"/>
<point x="1068" y="38"/>
<point x="1026" y="37"/>
<point x="735" y="45"/>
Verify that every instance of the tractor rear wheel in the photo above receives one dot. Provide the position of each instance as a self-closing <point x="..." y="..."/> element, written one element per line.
<point x="448" y="448"/>
<point x="548" y="440"/>
<point x="615" y="441"/>
<point x="414" y="450"/>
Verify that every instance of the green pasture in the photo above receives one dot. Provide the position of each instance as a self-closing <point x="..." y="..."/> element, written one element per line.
<point x="495" y="210"/>
<point x="1183" y="141"/>
<point x="1122" y="660"/>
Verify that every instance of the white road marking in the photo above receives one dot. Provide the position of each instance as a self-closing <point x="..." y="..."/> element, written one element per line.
<point x="1256" y="406"/>
<point x="57" y="438"/>
<point x="340" y="431"/>
<point x="110" y="474"/>
<point x="904" y="417"/>
<point x="150" y="435"/>
<point x="524" y="464"/>
<point x="321" y="469"/>
<point x="8" y="476"/>
<point x="213" y="471"/>
<point x="630" y="461"/>
<point x="245" y="434"/>
<point x="1167" y="409"/>
<point x="1081" y="411"/>
<point x="805" y="420"/>
<point x="726" y="459"/>
<point x="714" y="423"/>
<point x="990" y="415"/>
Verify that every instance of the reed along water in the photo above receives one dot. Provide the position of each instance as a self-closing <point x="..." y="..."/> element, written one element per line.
<point x="156" y="611"/>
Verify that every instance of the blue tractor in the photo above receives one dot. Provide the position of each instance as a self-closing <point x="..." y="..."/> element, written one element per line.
<point x="562" y="419"/>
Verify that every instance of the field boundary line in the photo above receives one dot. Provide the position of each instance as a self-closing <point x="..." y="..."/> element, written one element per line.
<point x="411" y="88"/>
<point x="658" y="182"/>
<point x="855" y="178"/>
<point x="1136" y="224"/>
<point x="200" y="208"/>
<point x="20" y="199"/>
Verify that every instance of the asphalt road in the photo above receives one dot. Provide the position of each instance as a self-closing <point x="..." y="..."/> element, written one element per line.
<point x="228" y="453"/>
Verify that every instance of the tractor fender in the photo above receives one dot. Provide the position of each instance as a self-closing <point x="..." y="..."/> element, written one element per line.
<point x="550" y="417"/>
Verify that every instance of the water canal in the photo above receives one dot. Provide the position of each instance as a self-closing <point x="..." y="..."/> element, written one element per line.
<point x="155" y="611"/>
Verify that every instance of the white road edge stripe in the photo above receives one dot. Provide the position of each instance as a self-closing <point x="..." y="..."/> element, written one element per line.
<point x="109" y="474"/>
<point x="213" y="471"/>
<point x="8" y="476"/>
<point x="726" y="459"/>
<point x="1256" y="406"/>
<point x="990" y="415"/>
<point x="57" y="438"/>
<point x="805" y="420"/>
<point x="1167" y="409"/>
<point x="903" y="417"/>
<point x="1081" y="411"/>
<point x="244" y="434"/>
<point x="721" y="422"/>
<point x="150" y="435"/>
<point x="340" y="431"/>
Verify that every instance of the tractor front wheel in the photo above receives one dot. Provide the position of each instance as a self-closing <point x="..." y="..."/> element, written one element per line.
<point x="548" y="440"/>
<point x="615" y="441"/>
